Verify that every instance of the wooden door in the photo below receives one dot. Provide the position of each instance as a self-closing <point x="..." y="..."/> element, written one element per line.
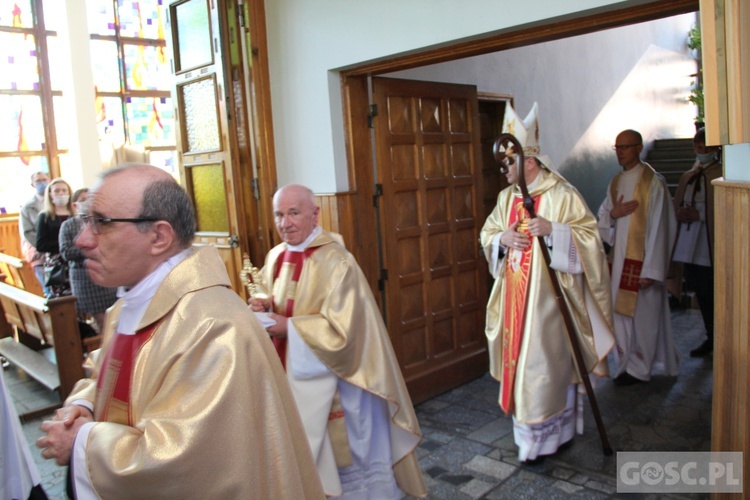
<point x="427" y="157"/>
<point x="206" y="138"/>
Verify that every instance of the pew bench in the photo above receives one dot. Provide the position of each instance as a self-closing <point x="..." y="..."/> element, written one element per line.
<point x="19" y="273"/>
<point x="32" y="326"/>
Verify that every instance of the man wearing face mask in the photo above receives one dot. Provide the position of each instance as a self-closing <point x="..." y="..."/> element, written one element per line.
<point x="694" y="246"/>
<point x="27" y="224"/>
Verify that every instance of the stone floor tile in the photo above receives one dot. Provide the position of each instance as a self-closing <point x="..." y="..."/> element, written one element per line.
<point x="476" y="488"/>
<point x="490" y="467"/>
<point x="567" y="487"/>
<point x="492" y="431"/>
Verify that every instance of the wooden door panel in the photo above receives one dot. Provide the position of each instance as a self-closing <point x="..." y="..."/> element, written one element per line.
<point x="205" y="137"/>
<point x="427" y="143"/>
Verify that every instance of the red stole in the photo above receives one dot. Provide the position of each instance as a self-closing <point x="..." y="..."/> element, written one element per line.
<point x="113" y="386"/>
<point x="285" y="278"/>
<point x="517" y="270"/>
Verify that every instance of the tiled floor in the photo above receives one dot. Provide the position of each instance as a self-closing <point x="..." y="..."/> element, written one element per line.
<point x="468" y="450"/>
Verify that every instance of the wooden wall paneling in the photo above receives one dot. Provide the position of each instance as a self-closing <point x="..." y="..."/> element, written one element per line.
<point x="336" y="214"/>
<point x="359" y="146"/>
<point x="725" y="31"/>
<point x="10" y="238"/>
<point x="731" y="399"/>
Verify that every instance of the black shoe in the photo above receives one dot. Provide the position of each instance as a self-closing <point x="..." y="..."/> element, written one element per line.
<point x="627" y="379"/>
<point x="705" y="349"/>
<point x="534" y="461"/>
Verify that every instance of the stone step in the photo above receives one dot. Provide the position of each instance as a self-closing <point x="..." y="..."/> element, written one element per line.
<point x="673" y="143"/>
<point x="671" y="154"/>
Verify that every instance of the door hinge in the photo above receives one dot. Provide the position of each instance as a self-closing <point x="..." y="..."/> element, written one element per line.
<point x="256" y="190"/>
<point x="377" y="195"/>
<point x="234" y="241"/>
<point x="371" y="115"/>
<point x="383" y="279"/>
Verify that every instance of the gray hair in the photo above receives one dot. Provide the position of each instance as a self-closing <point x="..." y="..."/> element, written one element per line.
<point x="168" y="201"/>
<point x="164" y="199"/>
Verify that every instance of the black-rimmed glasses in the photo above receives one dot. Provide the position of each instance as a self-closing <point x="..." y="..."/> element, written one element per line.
<point x="96" y="223"/>
<point x="624" y="146"/>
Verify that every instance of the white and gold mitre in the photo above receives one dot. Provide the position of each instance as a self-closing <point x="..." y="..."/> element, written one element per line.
<point x="526" y="130"/>
<point x="527" y="133"/>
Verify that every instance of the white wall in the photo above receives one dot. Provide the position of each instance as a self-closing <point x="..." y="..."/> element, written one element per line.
<point x="308" y="39"/>
<point x="589" y="88"/>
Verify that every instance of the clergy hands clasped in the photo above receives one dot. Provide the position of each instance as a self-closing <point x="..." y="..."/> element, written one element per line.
<point x="539" y="226"/>
<point x="512" y="238"/>
<point x="61" y="432"/>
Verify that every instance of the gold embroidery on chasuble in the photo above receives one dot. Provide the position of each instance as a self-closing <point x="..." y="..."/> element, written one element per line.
<point x="114" y="384"/>
<point x="518" y="267"/>
<point x="635" y="248"/>
<point x="286" y="275"/>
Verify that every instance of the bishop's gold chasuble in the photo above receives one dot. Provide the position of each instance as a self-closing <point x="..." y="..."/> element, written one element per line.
<point x="518" y="269"/>
<point x="636" y="245"/>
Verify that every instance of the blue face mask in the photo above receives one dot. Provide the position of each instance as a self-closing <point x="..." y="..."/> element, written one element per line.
<point x="40" y="187"/>
<point x="706" y="158"/>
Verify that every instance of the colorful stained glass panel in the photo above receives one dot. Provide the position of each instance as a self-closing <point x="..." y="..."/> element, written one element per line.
<point x="146" y="68"/>
<point x="201" y="115"/>
<point x="63" y="123"/>
<point x="101" y="17"/>
<point x="207" y="182"/>
<point x="15" y="190"/>
<point x="54" y="14"/>
<point x="194" y="49"/>
<point x="58" y="72"/>
<point x="21" y="125"/>
<point x="16" y="13"/>
<point x="109" y="120"/>
<point x="106" y="69"/>
<point x="150" y="121"/>
<point x="166" y="160"/>
<point x="18" y="63"/>
<point x="141" y="19"/>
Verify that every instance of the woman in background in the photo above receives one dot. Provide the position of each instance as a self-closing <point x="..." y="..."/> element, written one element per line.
<point x="58" y="207"/>
<point x="91" y="298"/>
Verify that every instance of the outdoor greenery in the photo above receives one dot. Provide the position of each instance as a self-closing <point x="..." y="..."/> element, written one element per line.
<point x="696" y="94"/>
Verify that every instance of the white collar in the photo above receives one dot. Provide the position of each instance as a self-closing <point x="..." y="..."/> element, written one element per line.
<point x="137" y="299"/>
<point x="303" y="246"/>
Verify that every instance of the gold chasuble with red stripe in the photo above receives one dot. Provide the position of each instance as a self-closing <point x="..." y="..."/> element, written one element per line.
<point x="526" y="333"/>
<point x="518" y="268"/>
<point x="285" y="279"/>
<point x="115" y="380"/>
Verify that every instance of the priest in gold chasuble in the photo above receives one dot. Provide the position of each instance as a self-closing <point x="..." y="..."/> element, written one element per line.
<point x="187" y="398"/>
<point x="530" y="354"/>
<point x="340" y="364"/>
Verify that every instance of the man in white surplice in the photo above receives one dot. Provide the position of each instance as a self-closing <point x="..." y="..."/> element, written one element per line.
<point x="637" y="220"/>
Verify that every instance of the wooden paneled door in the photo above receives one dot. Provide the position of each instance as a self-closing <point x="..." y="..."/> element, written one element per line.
<point x="213" y="131"/>
<point x="428" y="164"/>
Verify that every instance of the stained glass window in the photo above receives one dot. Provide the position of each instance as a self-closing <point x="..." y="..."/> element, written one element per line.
<point x="29" y="110"/>
<point x="132" y="76"/>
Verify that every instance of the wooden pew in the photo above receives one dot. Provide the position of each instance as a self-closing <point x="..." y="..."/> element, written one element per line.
<point x="19" y="274"/>
<point x="30" y="323"/>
